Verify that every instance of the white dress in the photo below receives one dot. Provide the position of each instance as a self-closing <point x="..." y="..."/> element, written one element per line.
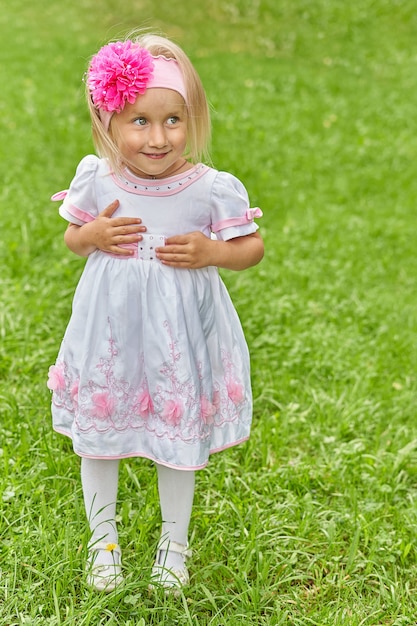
<point x="154" y="362"/>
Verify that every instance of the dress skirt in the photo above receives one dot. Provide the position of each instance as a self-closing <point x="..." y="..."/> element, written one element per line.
<point x="153" y="364"/>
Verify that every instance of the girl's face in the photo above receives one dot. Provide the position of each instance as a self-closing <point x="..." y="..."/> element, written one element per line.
<point x="151" y="134"/>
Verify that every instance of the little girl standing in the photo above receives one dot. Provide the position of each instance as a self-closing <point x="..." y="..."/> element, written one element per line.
<point x="153" y="363"/>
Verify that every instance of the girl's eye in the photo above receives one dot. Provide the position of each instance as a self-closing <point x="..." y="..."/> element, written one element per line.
<point x="140" y="121"/>
<point x="173" y="120"/>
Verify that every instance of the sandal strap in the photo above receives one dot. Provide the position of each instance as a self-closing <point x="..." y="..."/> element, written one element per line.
<point x="173" y="546"/>
<point x="105" y="545"/>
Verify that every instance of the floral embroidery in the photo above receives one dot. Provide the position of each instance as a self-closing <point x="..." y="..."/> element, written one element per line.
<point x="208" y="411"/>
<point x="172" y="412"/>
<point x="181" y="402"/>
<point x="235" y="392"/>
<point x="74" y="391"/>
<point x="56" y="378"/>
<point x="144" y="404"/>
<point x="103" y="405"/>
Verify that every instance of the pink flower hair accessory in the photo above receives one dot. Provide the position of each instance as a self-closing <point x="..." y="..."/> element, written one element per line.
<point x="122" y="71"/>
<point x="118" y="73"/>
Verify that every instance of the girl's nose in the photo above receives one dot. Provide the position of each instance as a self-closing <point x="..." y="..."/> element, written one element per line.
<point x="157" y="136"/>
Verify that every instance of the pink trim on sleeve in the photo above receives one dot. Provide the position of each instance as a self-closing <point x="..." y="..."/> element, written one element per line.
<point x="83" y="216"/>
<point x="70" y="209"/>
<point x="237" y="221"/>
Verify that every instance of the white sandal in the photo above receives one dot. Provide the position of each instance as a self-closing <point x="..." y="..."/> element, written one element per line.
<point x="104" y="577"/>
<point x="169" y="578"/>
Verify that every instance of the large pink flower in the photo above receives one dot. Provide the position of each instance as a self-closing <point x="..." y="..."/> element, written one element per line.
<point x="235" y="391"/>
<point x="118" y="73"/>
<point x="103" y="405"/>
<point x="172" y="412"/>
<point x="56" y="378"/>
<point x="208" y="410"/>
<point x="144" y="403"/>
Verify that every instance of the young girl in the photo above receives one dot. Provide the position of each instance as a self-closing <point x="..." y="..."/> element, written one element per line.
<point x="153" y="363"/>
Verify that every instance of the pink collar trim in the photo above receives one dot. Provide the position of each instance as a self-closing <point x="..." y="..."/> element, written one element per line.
<point x="162" y="186"/>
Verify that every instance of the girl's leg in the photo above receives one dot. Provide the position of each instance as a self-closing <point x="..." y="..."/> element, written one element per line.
<point x="100" y="481"/>
<point x="176" y="494"/>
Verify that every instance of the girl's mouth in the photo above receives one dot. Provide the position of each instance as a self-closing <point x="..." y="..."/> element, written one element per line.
<point x="156" y="157"/>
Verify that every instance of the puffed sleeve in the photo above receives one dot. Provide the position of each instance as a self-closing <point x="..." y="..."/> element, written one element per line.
<point x="231" y="215"/>
<point x="79" y="201"/>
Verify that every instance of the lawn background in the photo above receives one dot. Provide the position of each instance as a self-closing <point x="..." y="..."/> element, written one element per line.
<point x="314" y="520"/>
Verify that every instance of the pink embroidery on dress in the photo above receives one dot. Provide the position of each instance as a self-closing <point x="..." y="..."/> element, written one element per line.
<point x="235" y="392"/>
<point x="56" y="378"/>
<point x="181" y="402"/>
<point x="172" y="412"/>
<point x="106" y="365"/>
<point x="103" y="405"/>
<point x="181" y="395"/>
<point x="74" y="392"/>
<point x="208" y="410"/>
<point x="144" y="404"/>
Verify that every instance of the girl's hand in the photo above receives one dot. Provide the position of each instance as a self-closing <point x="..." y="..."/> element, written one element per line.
<point x="105" y="233"/>
<point x="195" y="250"/>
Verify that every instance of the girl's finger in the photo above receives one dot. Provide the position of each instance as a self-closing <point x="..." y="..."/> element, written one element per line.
<point x="109" y="210"/>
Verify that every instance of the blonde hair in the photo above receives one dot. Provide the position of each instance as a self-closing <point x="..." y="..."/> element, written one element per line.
<point x="198" y="114"/>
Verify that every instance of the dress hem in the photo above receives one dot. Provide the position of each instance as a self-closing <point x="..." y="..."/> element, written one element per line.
<point x="151" y="458"/>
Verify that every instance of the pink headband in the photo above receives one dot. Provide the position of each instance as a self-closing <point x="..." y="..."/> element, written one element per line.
<point x="121" y="71"/>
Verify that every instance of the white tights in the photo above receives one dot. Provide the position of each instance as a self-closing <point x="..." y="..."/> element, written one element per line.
<point x="176" y="493"/>
<point x="99" y="480"/>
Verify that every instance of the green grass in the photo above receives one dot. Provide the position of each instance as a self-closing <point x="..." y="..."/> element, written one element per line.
<point x="313" y="522"/>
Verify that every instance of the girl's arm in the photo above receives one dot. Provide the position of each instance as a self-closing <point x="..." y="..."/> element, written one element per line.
<point x="195" y="250"/>
<point x="104" y="233"/>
